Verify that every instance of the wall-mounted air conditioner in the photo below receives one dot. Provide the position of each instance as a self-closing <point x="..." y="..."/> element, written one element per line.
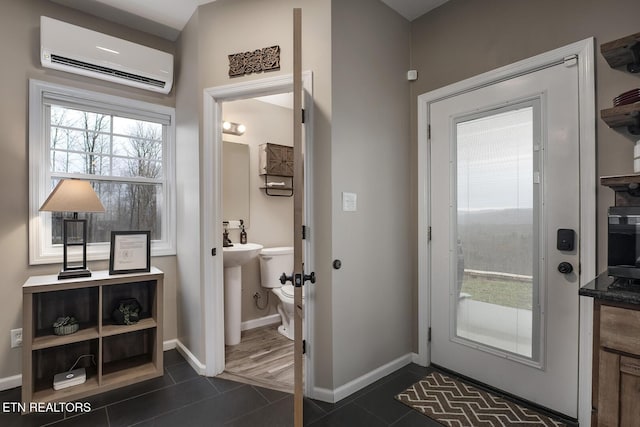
<point x="78" y="50"/>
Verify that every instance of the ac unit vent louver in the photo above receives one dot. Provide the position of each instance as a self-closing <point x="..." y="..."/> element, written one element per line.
<point x="107" y="71"/>
<point x="78" y="50"/>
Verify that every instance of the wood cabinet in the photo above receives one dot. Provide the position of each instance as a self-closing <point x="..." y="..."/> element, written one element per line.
<point x="616" y="365"/>
<point x="616" y="328"/>
<point x="123" y="354"/>
<point x="276" y="159"/>
<point x="276" y="167"/>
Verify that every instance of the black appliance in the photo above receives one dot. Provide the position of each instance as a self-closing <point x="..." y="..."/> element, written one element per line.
<point x="624" y="241"/>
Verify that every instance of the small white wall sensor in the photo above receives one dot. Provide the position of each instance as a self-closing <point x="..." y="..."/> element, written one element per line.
<point x="412" y="75"/>
<point x="349" y="202"/>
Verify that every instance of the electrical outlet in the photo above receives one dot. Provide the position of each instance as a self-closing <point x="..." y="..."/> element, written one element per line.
<point x="16" y="338"/>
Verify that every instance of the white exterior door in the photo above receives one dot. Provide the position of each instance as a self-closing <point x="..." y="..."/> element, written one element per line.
<point x="504" y="179"/>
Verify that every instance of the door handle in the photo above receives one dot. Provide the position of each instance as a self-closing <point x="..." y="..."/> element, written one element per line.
<point x="295" y="279"/>
<point x="284" y="278"/>
<point x="565" y="267"/>
<point x="298" y="280"/>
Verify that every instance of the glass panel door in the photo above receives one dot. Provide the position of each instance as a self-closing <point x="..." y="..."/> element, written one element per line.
<point x="497" y="173"/>
<point x="503" y="177"/>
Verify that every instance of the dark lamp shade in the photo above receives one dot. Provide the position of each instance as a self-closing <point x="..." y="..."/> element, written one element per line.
<point x="73" y="195"/>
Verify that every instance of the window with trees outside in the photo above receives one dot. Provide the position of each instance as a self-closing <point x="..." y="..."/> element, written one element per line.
<point x="123" y="147"/>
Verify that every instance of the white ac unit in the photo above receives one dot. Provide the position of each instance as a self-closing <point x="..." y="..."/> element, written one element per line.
<point x="78" y="50"/>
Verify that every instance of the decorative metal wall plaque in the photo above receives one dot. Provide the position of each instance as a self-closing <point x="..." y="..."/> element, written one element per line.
<point x="265" y="59"/>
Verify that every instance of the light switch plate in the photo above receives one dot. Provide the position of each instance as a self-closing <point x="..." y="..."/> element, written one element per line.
<point x="349" y="202"/>
<point x="16" y="338"/>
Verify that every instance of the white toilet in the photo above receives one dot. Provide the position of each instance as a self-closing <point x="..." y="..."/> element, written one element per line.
<point x="274" y="262"/>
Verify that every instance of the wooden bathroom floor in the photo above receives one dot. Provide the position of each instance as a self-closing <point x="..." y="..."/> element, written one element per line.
<point x="264" y="358"/>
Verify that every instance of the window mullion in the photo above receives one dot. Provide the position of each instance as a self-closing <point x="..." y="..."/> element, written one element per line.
<point x="111" y="148"/>
<point x="46" y="236"/>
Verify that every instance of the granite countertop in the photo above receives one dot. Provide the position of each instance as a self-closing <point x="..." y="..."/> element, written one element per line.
<point x="611" y="288"/>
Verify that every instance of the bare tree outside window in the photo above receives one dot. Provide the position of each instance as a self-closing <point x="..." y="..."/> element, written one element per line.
<point x="123" y="159"/>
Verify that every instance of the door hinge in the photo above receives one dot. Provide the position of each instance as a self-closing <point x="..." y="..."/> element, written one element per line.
<point x="304" y="346"/>
<point x="428" y="131"/>
<point x="303" y="116"/>
<point x="429" y="335"/>
<point x="304" y="232"/>
<point x="214" y="251"/>
<point x="429" y="233"/>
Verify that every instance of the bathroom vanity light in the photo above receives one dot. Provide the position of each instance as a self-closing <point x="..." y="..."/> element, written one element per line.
<point x="233" y="128"/>
<point x="73" y="195"/>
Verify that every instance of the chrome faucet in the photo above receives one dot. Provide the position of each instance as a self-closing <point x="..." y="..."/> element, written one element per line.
<point x="226" y="242"/>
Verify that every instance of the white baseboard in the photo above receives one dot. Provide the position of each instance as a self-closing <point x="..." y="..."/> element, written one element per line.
<point x="192" y="360"/>
<point x="335" y="395"/>
<point x="415" y="358"/>
<point x="8" y="383"/>
<point x="322" y="394"/>
<point x="260" y="321"/>
<point x="169" y="344"/>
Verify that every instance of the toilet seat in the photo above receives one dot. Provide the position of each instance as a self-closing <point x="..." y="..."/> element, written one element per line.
<point x="287" y="290"/>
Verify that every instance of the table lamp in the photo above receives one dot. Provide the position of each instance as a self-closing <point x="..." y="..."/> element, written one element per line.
<point x="73" y="195"/>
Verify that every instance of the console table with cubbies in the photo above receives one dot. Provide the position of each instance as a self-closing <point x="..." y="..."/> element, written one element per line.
<point x="123" y="354"/>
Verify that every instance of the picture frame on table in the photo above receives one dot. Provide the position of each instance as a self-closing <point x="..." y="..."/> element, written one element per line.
<point x="130" y="252"/>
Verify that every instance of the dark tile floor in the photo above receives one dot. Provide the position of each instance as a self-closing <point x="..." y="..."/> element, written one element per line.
<point x="182" y="398"/>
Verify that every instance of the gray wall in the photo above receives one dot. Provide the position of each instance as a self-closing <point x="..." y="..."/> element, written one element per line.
<point x="230" y="26"/>
<point x="20" y="46"/>
<point x="371" y="144"/>
<point x="464" y="38"/>
<point x="190" y="311"/>
<point x="362" y="317"/>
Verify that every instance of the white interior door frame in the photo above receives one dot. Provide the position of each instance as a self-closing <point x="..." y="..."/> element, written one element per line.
<point x="212" y="269"/>
<point x="584" y="51"/>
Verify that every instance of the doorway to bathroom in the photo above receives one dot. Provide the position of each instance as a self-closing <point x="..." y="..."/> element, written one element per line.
<point x="269" y="223"/>
<point x="257" y="207"/>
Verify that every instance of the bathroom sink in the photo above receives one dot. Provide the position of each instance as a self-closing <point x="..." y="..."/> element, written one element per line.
<point x="238" y="254"/>
<point x="232" y="259"/>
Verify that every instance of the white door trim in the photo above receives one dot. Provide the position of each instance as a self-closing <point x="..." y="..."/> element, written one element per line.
<point x="585" y="55"/>
<point x="212" y="270"/>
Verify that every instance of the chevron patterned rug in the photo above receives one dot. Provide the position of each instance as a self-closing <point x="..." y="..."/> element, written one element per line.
<point x="456" y="404"/>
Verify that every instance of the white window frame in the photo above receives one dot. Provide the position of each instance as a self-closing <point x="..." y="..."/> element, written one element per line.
<point x="41" y="248"/>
